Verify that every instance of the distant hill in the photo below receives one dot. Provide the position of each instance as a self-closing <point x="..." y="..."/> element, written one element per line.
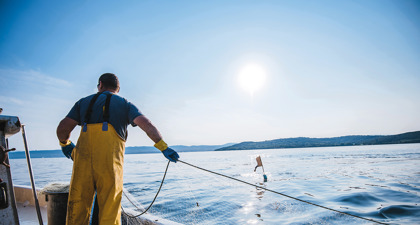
<point x="305" y="142"/>
<point x="36" y="154"/>
<point x="299" y="142"/>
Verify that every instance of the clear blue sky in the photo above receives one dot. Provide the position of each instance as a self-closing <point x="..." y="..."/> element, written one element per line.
<point x="332" y="67"/>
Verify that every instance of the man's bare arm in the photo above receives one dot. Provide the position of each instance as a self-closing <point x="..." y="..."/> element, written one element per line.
<point x="148" y="128"/>
<point x="65" y="128"/>
<point x="154" y="134"/>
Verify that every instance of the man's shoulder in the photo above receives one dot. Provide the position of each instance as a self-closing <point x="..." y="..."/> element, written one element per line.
<point x="123" y="102"/>
<point x="120" y="99"/>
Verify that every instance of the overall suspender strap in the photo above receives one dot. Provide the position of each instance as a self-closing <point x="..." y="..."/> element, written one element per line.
<point x="105" y="115"/>
<point x="89" y="111"/>
<point x="90" y="108"/>
<point x="106" y="112"/>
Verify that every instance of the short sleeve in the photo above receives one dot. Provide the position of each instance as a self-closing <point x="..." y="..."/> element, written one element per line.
<point x="133" y="112"/>
<point x="75" y="112"/>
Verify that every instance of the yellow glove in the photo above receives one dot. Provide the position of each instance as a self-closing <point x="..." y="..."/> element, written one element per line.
<point x="169" y="153"/>
<point x="65" y="144"/>
<point x="161" y="145"/>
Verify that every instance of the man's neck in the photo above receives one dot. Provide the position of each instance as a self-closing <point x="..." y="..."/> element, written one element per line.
<point x="109" y="90"/>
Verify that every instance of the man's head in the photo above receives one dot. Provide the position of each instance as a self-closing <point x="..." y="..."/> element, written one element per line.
<point x="108" y="82"/>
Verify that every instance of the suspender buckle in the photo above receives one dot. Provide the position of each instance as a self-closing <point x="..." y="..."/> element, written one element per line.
<point x="105" y="126"/>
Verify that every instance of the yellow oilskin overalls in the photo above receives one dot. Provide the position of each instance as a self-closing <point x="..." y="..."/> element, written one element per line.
<point x="98" y="165"/>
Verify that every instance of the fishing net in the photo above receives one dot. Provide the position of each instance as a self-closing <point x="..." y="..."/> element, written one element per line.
<point x="192" y="196"/>
<point x="56" y="188"/>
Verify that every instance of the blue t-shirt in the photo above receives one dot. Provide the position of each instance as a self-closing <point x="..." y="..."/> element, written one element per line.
<point x="121" y="112"/>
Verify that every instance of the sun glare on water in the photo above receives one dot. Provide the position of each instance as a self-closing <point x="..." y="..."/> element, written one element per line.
<point x="252" y="78"/>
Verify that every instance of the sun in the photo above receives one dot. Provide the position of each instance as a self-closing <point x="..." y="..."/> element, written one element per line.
<point x="252" y="78"/>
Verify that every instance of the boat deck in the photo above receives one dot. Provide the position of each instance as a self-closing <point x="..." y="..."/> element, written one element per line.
<point x="25" y="204"/>
<point x="28" y="216"/>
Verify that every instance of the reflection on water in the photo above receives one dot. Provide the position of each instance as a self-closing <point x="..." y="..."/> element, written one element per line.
<point x="260" y="192"/>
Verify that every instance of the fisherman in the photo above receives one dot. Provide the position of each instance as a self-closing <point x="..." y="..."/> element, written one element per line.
<point x="99" y="153"/>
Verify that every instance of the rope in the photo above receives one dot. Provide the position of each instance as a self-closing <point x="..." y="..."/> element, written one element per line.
<point x="161" y="183"/>
<point x="276" y="192"/>
<point x="219" y="174"/>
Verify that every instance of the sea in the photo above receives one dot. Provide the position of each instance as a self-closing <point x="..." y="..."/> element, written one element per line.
<point x="375" y="182"/>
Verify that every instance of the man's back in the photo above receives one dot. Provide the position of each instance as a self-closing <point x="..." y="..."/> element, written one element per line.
<point x="122" y="113"/>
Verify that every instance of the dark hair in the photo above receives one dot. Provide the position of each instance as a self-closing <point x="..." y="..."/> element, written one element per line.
<point x="109" y="80"/>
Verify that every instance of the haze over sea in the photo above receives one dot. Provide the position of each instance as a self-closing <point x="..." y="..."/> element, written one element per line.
<point x="379" y="182"/>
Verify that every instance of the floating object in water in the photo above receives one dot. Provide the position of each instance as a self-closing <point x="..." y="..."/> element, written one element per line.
<point x="259" y="163"/>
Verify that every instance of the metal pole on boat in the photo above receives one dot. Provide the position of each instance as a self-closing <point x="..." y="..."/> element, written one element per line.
<point x="28" y="159"/>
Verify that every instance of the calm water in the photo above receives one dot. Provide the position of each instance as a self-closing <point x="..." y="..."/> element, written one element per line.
<point x="377" y="182"/>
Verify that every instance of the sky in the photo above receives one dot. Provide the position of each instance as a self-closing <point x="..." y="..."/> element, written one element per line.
<point x="318" y="68"/>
